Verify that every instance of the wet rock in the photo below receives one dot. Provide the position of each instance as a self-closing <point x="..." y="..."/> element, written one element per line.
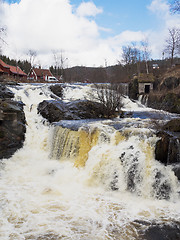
<point x="161" y="189"/>
<point x="167" y="149"/>
<point x="12" y="127"/>
<point x="172" y="126"/>
<point x="5" y="92"/>
<point x="57" y="89"/>
<point x="55" y="111"/>
<point x="176" y="169"/>
<point x="162" y="232"/>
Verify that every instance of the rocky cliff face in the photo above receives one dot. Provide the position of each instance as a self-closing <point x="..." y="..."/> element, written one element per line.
<point x="12" y="123"/>
<point x="167" y="149"/>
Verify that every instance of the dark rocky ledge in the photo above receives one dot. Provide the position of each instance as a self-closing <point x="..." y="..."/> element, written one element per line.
<point x="54" y="110"/>
<point x="12" y="123"/>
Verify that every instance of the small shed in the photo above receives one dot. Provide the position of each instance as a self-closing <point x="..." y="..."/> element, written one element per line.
<point x="145" y="83"/>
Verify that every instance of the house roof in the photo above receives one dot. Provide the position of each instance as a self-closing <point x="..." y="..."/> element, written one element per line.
<point x="42" y="72"/>
<point x="13" y="69"/>
<point x="4" y="64"/>
<point x="145" y="78"/>
<point x="17" y="70"/>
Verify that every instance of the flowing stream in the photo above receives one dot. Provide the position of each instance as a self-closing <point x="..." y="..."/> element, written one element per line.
<point x="85" y="180"/>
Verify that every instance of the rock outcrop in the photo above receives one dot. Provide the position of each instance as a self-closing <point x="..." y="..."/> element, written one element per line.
<point x="12" y="123"/>
<point x="168" y="102"/>
<point x="158" y="231"/>
<point x="167" y="149"/>
<point x="5" y="92"/>
<point x="55" y="111"/>
<point x="57" y="89"/>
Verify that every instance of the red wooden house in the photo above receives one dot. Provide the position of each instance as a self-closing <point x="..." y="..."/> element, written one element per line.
<point x="9" y="70"/>
<point x="39" y="74"/>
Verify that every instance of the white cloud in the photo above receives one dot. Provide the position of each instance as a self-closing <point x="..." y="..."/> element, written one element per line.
<point x="44" y="25"/>
<point x="159" y="7"/>
<point x="51" y="25"/>
<point x="88" y="9"/>
<point x="166" y="20"/>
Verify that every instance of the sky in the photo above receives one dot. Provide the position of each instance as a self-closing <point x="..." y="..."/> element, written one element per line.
<point x="84" y="33"/>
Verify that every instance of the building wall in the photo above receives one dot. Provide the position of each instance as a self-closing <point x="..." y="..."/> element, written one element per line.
<point x="142" y="87"/>
<point x="32" y="76"/>
<point x="6" y="70"/>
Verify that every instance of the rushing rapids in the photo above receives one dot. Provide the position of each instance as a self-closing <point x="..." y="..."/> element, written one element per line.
<point x="85" y="179"/>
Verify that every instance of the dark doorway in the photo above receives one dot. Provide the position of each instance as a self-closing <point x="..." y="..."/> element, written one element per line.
<point x="147" y="88"/>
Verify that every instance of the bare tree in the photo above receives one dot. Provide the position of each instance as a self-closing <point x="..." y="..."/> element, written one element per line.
<point x="175" y="6"/>
<point x="59" y="60"/>
<point x="173" y="43"/>
<point x="146" y="53"/>
<point x="2" y="34"/>
<point x="32" y="55"/>
<point x="131" y="55"/>
<point x="110" y="95"/>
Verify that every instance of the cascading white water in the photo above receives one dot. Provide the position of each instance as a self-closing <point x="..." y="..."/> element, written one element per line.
<point x="45" y="198"/>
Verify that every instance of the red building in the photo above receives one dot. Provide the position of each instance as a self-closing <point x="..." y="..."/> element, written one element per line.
<point x="9" y="70"/>
<point x="38" y="74"/>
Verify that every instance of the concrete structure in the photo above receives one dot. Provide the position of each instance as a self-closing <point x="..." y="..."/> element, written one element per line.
<point x="145" y="83"/>
<point x="145" y="87"/>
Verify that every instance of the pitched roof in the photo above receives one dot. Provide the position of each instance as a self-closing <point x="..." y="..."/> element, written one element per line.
<point x="13" y="69"/>
<point x="42" y="72"/>
<point x="17" y="70"/>
<point x="4" y="64"/>
<point x="146" y="78"/>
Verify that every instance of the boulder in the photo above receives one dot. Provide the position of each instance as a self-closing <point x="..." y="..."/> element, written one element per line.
<point x="162" y="232"/>
<point x="55" y="111"/>
<point x="172" y="126"/>
<point x="167" y="149"/>
<point x="57" y="90"/>
<point x="12" y="127"/>
<point x="5" y="92"/>
<point x="176" y="169"/>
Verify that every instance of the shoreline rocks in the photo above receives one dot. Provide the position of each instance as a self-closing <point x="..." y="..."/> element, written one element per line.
<point x="12" y="123"/>
<point x="167" y="149"/>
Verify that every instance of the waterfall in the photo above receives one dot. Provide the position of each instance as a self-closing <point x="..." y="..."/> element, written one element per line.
<point x="84" y="180"/>
<point x="143" y="98"/>
<point x="119" y="160"/>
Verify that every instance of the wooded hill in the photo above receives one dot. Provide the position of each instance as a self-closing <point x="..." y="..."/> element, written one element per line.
<point x="116" y="73"/>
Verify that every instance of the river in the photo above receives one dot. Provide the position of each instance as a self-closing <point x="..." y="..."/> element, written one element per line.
<point x="96" y="182"/>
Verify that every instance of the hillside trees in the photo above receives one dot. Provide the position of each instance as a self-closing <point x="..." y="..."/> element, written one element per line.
<point x="134" y="55"/>
<point x="24" y="64"/>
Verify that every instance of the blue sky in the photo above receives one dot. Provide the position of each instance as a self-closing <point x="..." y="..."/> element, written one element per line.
<point x="87" y="31"/>
<point x="122" y="15"/>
